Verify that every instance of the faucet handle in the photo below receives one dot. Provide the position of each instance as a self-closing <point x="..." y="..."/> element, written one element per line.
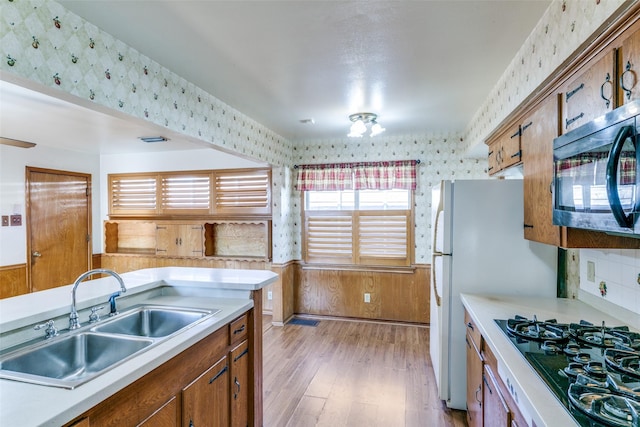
<point x="94" y="316"/>
<point x="50" y="330"/>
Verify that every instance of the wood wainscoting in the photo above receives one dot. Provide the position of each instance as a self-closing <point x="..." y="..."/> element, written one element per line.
<point x="13" y="280"/>
<point x="398" y="295"/>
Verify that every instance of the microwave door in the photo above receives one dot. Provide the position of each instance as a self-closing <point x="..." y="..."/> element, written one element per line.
<point x="621" y="176"/>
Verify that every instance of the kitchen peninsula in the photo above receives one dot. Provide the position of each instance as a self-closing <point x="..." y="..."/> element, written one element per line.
<point x="129" y="394"/>
<point x="521" y="391"/>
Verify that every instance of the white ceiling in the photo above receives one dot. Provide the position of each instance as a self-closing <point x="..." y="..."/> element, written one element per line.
<point x="420" y="65"/>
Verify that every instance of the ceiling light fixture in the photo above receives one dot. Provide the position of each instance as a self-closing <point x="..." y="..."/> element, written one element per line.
<point x="150" y="139"/>
<point x="360" y="122"/>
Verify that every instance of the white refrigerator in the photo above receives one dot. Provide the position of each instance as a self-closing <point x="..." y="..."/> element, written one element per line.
<point x="478" y="247"/>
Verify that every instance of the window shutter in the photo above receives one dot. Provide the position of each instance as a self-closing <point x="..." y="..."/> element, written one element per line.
<point x="383" y="237"/>
<point x="132" y="194"/>
<point x="186" y="193"/>
<point x="329" y="238"/>
<point x="245" y="192"/>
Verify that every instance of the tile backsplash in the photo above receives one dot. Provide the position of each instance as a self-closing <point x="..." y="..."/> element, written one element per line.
<point x="612" y="274"/>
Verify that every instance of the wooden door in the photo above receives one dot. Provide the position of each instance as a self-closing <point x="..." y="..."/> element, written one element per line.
<point x="205" y="402"/>
<point x="629" y="68"/>
<point x="474" y="384"/>
<point x="590" y="94"/>
<point x="240" y="385"/>
<point x="167" y="239"/>
<point x="191" y="239"/>
<point x="166" y="416"/>
<point x="510" y="154"/>
<point x="58" y="227"/>
<point x="496" y="411"/>
<point x="537" y="159"/>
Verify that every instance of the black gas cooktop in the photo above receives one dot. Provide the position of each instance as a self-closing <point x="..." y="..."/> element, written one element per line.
<point x="593" y="370"/>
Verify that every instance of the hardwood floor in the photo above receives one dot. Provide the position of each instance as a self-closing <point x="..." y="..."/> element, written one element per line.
<point x="348" y="373"/>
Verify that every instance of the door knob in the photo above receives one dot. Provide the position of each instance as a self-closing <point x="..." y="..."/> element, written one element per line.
<point x="36" y="254"/>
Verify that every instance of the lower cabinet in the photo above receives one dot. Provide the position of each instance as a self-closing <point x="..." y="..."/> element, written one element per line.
<point x="474" y="384"/>
<point x="205" y="402"/>
<point x="489" y="404"/>
<point x="496" y="411"/>
<point x="207" y="385"/>
<point x="240" y="385"/>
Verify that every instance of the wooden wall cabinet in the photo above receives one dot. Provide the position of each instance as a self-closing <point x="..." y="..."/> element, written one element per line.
<point x="589" y="94"/>
<point x="180" y="239"/>
<point x="190" y="239"/>
<point x="197" y="388"/>
<point x="629" y="65"/>
<point x="504" y="150"/>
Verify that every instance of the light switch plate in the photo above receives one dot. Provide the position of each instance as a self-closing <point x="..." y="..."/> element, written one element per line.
<point x="16" y="220"/>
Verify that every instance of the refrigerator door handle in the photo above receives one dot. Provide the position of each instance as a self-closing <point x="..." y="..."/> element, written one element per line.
<point x="435" y="288"/>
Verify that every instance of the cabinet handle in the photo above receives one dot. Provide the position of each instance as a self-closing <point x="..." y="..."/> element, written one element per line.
<point x="487" y="384"/>
<point x="190" y="423"/>
<point x="467" y="341"/>
<point x="235" y="395"/>
<point x="176" y="241"/>
<point x="476" y="394"/>
<point x="470" y="325"/>
<point x="569" y="121"/>
<point x="240" y="329"/>
<point x="627" y="69"/>
<point x="528" y="226"/>
<point x="573" y="92"/>
<point x="246" y="351"/>
<point x="219" y="374"/>
<point x="607" y="101"/>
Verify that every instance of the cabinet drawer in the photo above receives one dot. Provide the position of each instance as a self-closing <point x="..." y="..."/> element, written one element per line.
<point x="473" y="331"/>
<point x="238" y="329"/>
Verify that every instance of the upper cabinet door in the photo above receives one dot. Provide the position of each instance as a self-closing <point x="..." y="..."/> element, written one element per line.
<point x="589" y="94"/>
<point x="629" y="68"/>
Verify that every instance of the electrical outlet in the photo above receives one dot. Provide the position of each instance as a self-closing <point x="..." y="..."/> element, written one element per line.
<point x="367" y="298"/>
<point x="269" y="295"/>
<point x="5" y="220"/>
<point x="591" y="271"/>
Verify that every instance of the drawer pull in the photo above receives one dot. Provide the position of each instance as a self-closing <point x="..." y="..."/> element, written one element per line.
<point x="246" y="351"/>
<point x="239" y="330"/>
<point x="237" y="393"/>
<point x="219" y="374"/>
<point x="627" y="90"/>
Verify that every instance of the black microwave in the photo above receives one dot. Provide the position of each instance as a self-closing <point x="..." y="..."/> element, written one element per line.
<point x="595" y="184"/>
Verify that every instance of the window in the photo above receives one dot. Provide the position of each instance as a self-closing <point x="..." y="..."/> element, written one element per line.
<point x="219" y="192"/>
<point x="358" y="227"/>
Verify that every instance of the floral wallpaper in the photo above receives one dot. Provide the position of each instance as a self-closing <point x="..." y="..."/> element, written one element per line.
<point x="560" y="32"/>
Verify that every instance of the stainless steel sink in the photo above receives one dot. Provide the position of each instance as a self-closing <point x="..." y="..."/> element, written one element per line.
<point x="71" y="360"/>
<point x="154" y="322"/>
<point x="80" y="355"/>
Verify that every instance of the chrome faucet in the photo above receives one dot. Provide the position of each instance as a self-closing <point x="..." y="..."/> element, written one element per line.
<point x="73" y="317"/>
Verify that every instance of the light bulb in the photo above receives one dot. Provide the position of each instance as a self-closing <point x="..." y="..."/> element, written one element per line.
<point x="376" y="129"/>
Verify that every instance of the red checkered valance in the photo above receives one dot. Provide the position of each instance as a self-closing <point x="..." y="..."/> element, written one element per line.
<point x="400" y="174"/>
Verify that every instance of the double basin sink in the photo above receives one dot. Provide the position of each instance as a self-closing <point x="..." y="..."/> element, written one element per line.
<point x="78" y="356"/>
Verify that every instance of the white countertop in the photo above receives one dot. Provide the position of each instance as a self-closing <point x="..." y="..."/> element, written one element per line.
<point x="546" y="410"/>
<point x="26" y="404"/>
